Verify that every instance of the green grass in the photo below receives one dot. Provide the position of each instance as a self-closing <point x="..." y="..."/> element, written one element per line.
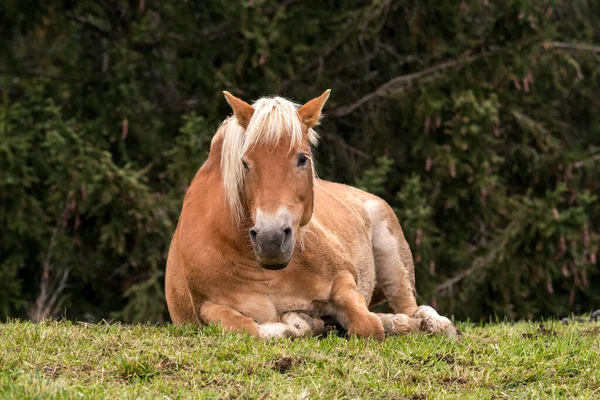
<point x="69" y="360"/>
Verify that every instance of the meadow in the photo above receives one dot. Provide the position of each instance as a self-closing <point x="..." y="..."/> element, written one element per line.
<point x="65" y="360"/>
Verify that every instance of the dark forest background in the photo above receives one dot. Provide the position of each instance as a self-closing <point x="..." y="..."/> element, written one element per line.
<point x="479" y="121"/>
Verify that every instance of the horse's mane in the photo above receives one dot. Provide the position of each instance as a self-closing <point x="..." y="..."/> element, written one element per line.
<point x="274" y="118"/>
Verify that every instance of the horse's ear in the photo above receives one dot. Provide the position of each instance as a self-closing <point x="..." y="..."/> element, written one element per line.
<point x="310" y="113"/>
<point x="242" y="110"/>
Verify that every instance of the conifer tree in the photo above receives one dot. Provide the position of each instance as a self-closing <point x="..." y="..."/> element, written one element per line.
<point x="479" y="121"/>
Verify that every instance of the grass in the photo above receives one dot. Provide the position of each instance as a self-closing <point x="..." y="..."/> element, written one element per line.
<point x="66" y="360"/>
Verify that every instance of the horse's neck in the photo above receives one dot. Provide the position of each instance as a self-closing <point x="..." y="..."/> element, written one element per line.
<point x="208" y="184"/>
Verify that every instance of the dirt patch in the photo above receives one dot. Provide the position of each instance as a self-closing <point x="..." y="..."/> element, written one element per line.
<point x="541" y="331"/>
<point x="167" y="364"/>
<point x="216" y="383"/>
<point x="595" y="331"/>
<point x="52" y="371"/>
<point x="284" y="364"/>
<point x="447" y="358"/>
<point x="455" y="380"/>
<point x="109" y="349"/>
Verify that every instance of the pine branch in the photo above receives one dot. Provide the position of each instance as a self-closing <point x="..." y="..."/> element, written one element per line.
<point x="571" y="46"/>
<point x="497" y="250"/>
<point x="449" y="284"/>
<point x="38" y="74"/>
<point x="579" y="164"/>
<point x="401" y="83"/>
<point x="345" y="145"/>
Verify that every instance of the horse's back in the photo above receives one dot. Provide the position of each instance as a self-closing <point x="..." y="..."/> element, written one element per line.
<point x="344" y="202"/>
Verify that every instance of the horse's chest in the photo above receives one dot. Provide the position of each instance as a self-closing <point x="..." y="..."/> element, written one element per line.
<point x="268" y="302"/>
<point x="292" y="302"/>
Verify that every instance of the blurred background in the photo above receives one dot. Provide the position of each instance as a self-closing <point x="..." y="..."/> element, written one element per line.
<point x="478" y="120"/>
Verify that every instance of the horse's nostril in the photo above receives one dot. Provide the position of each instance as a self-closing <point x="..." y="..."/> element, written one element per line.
<point x="253" y="234"/>
<point x="287" y="237"/>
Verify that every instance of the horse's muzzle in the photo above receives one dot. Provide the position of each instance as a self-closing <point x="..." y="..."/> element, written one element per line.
<point x="273" y="245"/>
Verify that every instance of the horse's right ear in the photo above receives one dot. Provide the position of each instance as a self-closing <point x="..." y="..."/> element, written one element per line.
<point x="242" y="110"/>
<point x="310" y="113"/>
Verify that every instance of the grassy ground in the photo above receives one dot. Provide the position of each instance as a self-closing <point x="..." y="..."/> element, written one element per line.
<point x="65" y="360"/>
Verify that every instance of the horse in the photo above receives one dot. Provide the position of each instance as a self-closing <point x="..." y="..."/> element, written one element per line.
<point x="264" y="246"/>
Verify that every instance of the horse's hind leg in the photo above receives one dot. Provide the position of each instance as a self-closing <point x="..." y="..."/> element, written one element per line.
<point x="396" y="277"/>
<point x="399" y="324"/>
<point x="432" y="322"/>
<point x="393" y="260"/>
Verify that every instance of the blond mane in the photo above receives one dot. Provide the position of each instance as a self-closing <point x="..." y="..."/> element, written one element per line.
<point x="274" y="118"/>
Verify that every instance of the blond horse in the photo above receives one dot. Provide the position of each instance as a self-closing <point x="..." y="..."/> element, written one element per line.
<point x="264" y="246"/>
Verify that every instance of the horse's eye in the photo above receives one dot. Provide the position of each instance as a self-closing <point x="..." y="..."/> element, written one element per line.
<point x="245" y="165"/>
<point x="302" y="160"/>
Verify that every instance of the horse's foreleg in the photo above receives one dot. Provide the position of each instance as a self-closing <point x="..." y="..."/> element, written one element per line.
<point x="294" y="324"/>
<point x="228" y="318"/>
<point x="352" y="311"/>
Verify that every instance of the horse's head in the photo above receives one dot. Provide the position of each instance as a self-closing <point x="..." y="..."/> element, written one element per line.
<point x="275" y="182"/>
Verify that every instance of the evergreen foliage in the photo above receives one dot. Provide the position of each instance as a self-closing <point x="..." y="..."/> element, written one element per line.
<point x="479" y="121"/>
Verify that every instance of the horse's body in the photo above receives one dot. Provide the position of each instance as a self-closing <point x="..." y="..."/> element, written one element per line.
<point x="347" y="252"/>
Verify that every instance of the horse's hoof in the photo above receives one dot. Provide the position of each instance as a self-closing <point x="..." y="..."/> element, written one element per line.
<point x="432" y="322"/>
<point x="273" y="330"/>
<point x="303" y="325"/>
<point x="367" y="326"/>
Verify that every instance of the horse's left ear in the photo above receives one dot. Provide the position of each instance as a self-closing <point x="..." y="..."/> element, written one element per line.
<point x="310" y="113"/>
